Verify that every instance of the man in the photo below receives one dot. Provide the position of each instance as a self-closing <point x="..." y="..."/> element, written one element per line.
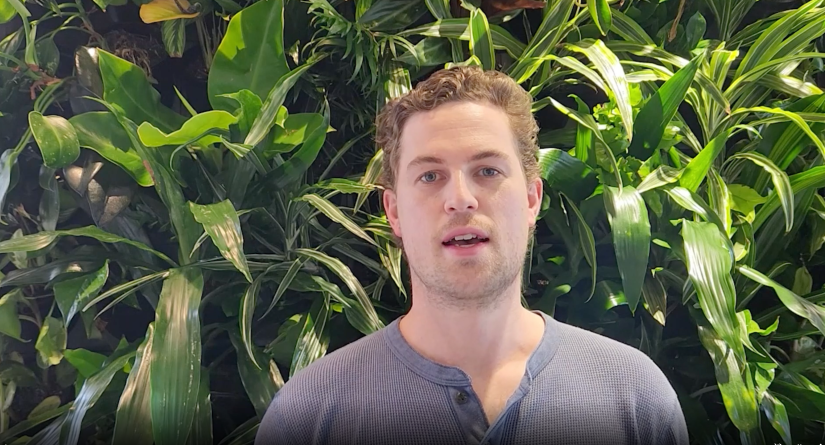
<point x="468" y="364"/>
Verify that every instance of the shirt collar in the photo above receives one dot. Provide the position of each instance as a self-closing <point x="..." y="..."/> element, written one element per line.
<point x="453" y="376"/>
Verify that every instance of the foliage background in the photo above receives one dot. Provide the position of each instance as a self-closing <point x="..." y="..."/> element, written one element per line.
<point x="189" y="214"/>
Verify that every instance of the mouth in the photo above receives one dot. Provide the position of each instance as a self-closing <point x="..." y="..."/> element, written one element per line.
<point x="465" y="240"/>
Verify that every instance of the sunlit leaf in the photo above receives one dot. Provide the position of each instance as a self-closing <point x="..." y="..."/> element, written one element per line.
<point x="781" y="183"/>
<point x="163" y="10"/>
<point x="481" y="41"/>
<point x="600" y="13"/>
<point x="630" y="229"/>
<point x="698" y="167"/>
<point x="709" y="262"/>
<point x="191" y="132"/>
<point x="798" y="305"/>
<point x="220" y="220"/>
<point x="73" y="295"/>
<point x="133" y="423"/>
<point x="334" y="213"/>
<point x="312" y="341"/>
<point x="176" y="363"/>
<point x="9" y="323"/>
<point x="56" y="138"/>
<point x="51" y="342"/>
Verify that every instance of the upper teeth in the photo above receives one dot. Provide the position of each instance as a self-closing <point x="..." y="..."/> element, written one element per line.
<point x="468" y="236"/>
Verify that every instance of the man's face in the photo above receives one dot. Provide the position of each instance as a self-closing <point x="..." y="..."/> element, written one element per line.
<point x="460" y="174"/>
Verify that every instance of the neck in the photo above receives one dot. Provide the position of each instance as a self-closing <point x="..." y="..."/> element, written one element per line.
<point x="477" y="340"/>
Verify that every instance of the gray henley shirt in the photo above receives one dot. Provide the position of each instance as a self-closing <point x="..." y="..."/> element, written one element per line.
<point x="579" y="387"/>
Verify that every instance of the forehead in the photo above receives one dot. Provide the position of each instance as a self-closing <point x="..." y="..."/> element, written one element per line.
<point x="456" y="129"/>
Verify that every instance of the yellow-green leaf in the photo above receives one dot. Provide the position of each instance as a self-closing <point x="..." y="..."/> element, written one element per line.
<point x="630" y="228"/>
<point x="162" y="10"/>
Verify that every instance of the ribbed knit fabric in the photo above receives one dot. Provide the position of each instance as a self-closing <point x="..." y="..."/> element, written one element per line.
<point x="579" y="388"/>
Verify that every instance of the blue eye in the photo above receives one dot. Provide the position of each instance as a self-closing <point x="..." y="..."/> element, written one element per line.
<point x="487" y="171"/>
<point x="430" y="175"/>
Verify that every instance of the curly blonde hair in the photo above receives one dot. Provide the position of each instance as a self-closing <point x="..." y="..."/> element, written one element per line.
<point x="463" y="83"/>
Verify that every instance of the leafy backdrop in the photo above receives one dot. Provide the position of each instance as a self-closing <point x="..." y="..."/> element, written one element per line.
<point x="189" y="214"/>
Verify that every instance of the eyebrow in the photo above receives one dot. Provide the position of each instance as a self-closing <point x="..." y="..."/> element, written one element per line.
<point x="486" y="154"/>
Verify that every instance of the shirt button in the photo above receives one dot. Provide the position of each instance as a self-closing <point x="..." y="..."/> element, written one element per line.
<point x="461" y="397"/>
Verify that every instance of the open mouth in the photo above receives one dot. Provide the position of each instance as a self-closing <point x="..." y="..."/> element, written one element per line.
<point x="467" y="240"/>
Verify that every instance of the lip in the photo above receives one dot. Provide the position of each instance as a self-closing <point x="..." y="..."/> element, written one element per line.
<point x="463" y="231"/>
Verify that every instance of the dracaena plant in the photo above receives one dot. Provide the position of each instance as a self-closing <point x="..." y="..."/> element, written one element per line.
<point x="209" y="252"/>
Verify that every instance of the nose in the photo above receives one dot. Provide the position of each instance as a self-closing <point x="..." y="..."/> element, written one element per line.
<point x="459" y="195"/>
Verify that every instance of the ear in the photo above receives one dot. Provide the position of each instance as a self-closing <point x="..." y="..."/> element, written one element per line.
<point x="535" y="190"/>
<point x="391" y="209"/>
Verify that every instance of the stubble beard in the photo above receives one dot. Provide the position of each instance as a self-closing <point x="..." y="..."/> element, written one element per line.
<point x="491" y="281"/>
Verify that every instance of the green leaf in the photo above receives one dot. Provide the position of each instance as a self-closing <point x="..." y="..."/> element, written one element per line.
<point x="695" y="30"/>
<point x="9" y="323"/>
<point x="655" y="298"/>
<point x="630" y="226"/>
<point x="589" y="122"/>
<point x="481" y="40"/>
<point x="248" y="303"/>
<point x="139" y="101"/>
<point x="745" y="200"/>
<point x="201" y="431"/>
<point x="263" y="123"/>
<point x="37" y="241"/>
<point x="660" y="108"/>
<point x="781" y="183"/>
<point x="697" y="168"/>
<point x="600" y="13"/>
<point x="346" y="275"/>
<point x="388" y="15"/>
<point x="100" y="131"/>
<point x="220" y="220"/>
<point x="812" y="178"/>
<point x="260" y="384"/>
<point x="430" y="51"/>
<point x="709" y="261"/>
<point x="777" y="415"/>
<point x="611" y="69"/>
<point x="796" y="304"/>
<point x="693" y="202"/>
<point x="732" y="376"/>
<point x="291" y="170"/>
<point x="334" y="213"/>
<point x="51" y="341"/>
<point x="663" y="175"/>
<point x="73" y="294"/>
<point x="458" y="29"/>
<point x="566" y="173"/>
<point x="133" y="423"/>
<point x="86" y="362"/>
<point x="91" y="391"/>
<point x="294" y="131"/>
<point x="7" y="11"/>
<point x="173" y="34"/>
<point x="793" y="117"/>
<point x="312" y="343"/>
<point x="176" y="364"/>
<point x="191" y="132"/>
<point x="56" y="138"/>
<point x="251" y="54"/>
<point x="587" y="241"/>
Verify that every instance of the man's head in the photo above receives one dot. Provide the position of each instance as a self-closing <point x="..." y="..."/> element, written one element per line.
<point x="460" y="159"/>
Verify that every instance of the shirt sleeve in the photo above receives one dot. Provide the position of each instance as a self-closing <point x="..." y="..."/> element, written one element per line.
<point x="274" y="429"/>
<point x="675" y="432"/>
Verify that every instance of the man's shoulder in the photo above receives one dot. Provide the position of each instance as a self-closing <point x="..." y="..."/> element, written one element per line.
<point x="585" y="353"/>
<point x="339" y="369"/>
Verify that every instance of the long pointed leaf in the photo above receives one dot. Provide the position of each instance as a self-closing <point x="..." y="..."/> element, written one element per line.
<point x="346" y="275"/>
<point x="176" y="363"/>
<point x="334" y="213"/>
<point x="798" y="305"/>
<point x="709" y="262"/>
<point x="220" y="220"/>
<point x="630" y="227"/>
<point x="659" y="110"/>
<point x="781" y="183"/>
<point x="481" y="39"/>
<point x="611" y="69"/>
<point x="698" y="167"/>
<point x="133" y="423"/>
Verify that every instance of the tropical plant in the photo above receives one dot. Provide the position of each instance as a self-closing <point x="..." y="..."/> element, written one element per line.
<point x="208" y="239"/>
